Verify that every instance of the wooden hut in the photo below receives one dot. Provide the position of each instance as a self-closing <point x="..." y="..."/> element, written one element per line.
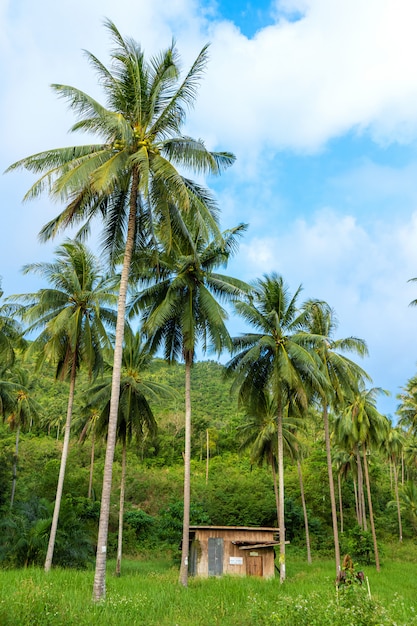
<point x="239" y="550"/>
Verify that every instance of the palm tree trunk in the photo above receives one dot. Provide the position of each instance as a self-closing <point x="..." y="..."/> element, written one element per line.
<point x="339" y="485"/>
<point x="207" y="454"/>
<point x="371" y="514"/>
<point x="90" y="481"/>
<point x="274" y="478"/>
<point x="331" y="488"/>
<point x="183" y="577"/>
<point x="402" y="468"/>
<point x="303" y="502"/>
<point x="397" y="498"/>
<point x="358" y="513"/>
<point x="121" y="512"/>
<point x="14" y="470"/>
<point x="361" y="496"/>
<point x="64" y="456"/>
<point x="99" y="588"/>
<point x="281" y="518"/>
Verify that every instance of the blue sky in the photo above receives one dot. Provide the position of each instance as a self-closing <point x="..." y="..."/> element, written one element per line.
<point x="317" y="99"/>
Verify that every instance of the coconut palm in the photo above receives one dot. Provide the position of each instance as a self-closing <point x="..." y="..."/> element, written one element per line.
<point x="72" y="315"/>
<point x="364" y="427"/>
<point x="407" y="409"/>
<point x="394" y="447"/>
<point x="21" y="410"/>
<point x="341" y="375"/>
<point x="344" y="462"/>
<point x="410" y="457"/>
<point x="279" y="358"/>
<point x="408" y="499"/>
<point x="259" y="433"/>
<point x="86" y="425"/>
<point x="297" y="452"/>
<point x="183" y="309"/>
<point x="130" y="179"/>
<point x="135" y="414"/>
<point x="10" y="335"/>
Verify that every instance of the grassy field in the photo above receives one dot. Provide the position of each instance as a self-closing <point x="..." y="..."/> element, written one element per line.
<point x="148" y="594"/>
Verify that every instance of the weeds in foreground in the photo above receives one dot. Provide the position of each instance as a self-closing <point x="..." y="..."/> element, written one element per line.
<point x="147" y="593"/>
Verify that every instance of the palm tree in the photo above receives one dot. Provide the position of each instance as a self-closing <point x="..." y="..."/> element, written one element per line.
<point x="297" y="452"/>
<point x="130" y="179"/>
<point x="394" y="447"/>
<point x="21" y="411"/>
<point x="343" y="461"/>
<point x="278" y="358"/>
<point x="341" y="376"/>
<point x="10" y="335"/>
<point x="72" y="316"/>
<point x="408" y="498"/>
<point x="259" y="430"/>
<point x="182" y="309"/>
<point x="364" y="427"/>
<point x="87" y="423"/>
<point x="135" y="413"/>
<point x="407" y="409"/>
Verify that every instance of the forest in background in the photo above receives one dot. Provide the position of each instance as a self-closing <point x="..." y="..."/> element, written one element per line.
<point x="231" y="489"/>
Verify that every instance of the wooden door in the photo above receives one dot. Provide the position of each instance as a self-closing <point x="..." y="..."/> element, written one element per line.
<point x="254" y="566"/>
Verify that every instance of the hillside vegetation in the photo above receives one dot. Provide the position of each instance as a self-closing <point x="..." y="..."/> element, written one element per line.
<point x="228" y="490"/>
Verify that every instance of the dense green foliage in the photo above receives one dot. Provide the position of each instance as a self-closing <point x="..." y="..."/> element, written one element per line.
<point x="234" y="493"/>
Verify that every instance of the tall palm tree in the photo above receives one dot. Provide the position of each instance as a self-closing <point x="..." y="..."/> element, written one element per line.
<point x="341" y="375"/>
<point x="181" y="311"/>
<point x="363" y="425"/>
<point x="130" y="179"/>
<point x="72" y="315"/>
<point x="135" y="414"/>
<point x="279" y="358"/>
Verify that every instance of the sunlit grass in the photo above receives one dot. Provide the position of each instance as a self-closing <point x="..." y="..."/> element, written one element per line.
<point x="148" y="594"/>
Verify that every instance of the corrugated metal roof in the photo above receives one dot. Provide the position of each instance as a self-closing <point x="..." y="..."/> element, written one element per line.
<point x="254" y="528"/>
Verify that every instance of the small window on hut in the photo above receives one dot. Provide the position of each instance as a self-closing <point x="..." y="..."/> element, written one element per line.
<point x="215" y="556"/>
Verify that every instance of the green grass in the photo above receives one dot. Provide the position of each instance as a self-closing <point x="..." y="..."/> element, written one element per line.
<point x="148" y="594"/>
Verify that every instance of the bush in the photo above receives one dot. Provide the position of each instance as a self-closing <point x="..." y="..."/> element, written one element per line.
<point x="359" y="610"/>
<point x="25" y="532"/>
<point x="359" y="544"/>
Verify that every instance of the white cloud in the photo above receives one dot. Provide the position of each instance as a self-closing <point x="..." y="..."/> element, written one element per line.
<point x="362" y="273"/>
<point x="343" y="65"/>
<point x="297" y="84"/>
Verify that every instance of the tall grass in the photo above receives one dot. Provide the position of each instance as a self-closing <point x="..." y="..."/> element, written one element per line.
<point x="148" y="594"/>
